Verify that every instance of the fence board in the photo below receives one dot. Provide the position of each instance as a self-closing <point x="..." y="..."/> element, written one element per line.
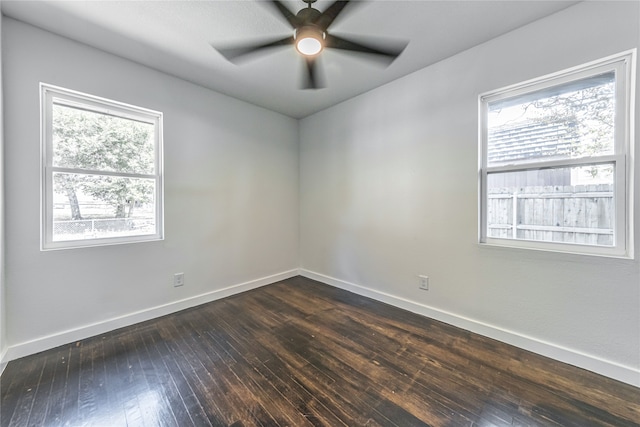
<point x="569" y="214"/>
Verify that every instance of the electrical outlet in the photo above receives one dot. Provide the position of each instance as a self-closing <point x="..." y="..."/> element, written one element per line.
<point x="423" y="282"/>
<point x="178" y="280"/>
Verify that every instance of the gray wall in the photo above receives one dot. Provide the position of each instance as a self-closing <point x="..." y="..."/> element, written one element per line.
<point x="231" y="199"/>
<point x="389" y="190"/>
<point x="3" y="332"/>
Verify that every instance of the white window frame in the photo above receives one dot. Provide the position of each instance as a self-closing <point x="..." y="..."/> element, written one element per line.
<point x="623" y="64"/>
<point x="50" y="94"/>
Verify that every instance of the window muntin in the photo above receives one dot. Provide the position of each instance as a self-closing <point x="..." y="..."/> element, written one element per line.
<point x="554" y="161"/>
<point x="102" y="162"/>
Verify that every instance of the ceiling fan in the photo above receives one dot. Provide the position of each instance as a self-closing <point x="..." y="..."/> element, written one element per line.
<point x="310" y="37"/>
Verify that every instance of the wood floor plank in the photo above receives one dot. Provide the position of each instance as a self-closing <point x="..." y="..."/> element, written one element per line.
<point x="304" y="409"/>
<point x="42" y="390"/>
<point x="301" y="353"/>
<point x="504" y="364"/>
<point x="14" y="385"/>
<point x="309" y="377"/>
<point x="173" y="402"/>
<point x="369" y="352"/>
<point x="91" y="389"/>
<point x="26" y="399"/>
<point x="249" y="373"/>
<point x="394" y="353"/>
<point x="137" y="397"/>
<point x="52" y="415"/>
<point x="170" y="349"/>
<point x="69" y="413"/>
<point x="215" y="370"/>
<point x="113" y="359"/>
<point x="205" y="398"/>
<point x="354" y="366"/>
<point x="279" y="374"/>
<point x="159" y="410"/>
<point x="394" y="381"/>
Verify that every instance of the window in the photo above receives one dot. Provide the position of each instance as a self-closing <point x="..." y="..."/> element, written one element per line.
<point x="101" y="171"/>
<point x="555" y="161"/>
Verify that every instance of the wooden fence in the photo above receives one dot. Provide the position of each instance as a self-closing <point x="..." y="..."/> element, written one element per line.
<point x="571" y="214"/>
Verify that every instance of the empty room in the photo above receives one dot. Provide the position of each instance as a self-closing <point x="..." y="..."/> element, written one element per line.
<point x="319" y="213"/>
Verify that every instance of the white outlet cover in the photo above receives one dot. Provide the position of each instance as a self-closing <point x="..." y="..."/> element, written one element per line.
<point x="178" y="279"/>
<point x="424" y="282"/>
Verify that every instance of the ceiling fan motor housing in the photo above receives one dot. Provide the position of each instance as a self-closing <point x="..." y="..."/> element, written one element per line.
<point x="308" y="15"/>
<point x="309" y="37"/>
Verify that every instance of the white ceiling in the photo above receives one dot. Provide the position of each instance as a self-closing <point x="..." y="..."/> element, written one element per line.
<point x="177" y="37"/>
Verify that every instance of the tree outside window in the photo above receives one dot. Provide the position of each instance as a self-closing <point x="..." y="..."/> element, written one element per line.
<point x="102" y="164"/>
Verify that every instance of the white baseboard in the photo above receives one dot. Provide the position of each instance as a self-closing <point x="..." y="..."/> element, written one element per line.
<point x="607" y="368"/>
<point x="54" y="340"/>
<point x="3" y="361"/>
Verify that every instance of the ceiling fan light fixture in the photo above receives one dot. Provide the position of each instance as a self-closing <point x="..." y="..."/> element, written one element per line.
<point x="309" y="46"/>
<point x="309" y="41"/>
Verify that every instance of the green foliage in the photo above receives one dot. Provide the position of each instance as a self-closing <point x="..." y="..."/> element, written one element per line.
<point x="102" y="143"/>
<point x="589" y="113"/>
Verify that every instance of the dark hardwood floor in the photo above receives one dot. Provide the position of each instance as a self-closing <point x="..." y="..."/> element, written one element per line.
<point x="300" y="353"/>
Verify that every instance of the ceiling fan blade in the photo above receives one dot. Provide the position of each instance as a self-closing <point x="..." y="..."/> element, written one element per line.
<point x="232" y="53"/>
<point x="286" y="13"/>
<point x="313" y="80"/>
<point x="387" y="51"/>
<point x="329" y="15"/>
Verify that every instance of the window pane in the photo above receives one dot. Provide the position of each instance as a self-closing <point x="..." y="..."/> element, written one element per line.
<point x="572" y="120"/>
<point x="99" y="206"/>
<point x="89" y="140"/>
<point x="567" y="205"/>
